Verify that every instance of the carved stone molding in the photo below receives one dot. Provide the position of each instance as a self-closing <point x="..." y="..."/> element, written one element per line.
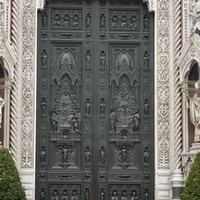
<point x="28" y="83"/>
<point x="163" y="90"/>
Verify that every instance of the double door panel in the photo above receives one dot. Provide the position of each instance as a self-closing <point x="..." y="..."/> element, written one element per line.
<point x="95" y="101"/>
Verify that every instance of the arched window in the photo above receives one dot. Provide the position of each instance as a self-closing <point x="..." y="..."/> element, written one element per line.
<point x="194" y="73"/>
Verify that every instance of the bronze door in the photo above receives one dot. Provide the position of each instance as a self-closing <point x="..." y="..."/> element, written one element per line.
<point x="95" y="101"/>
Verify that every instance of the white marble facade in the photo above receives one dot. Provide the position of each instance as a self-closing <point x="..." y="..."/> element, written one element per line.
<point x="176" y="49"/>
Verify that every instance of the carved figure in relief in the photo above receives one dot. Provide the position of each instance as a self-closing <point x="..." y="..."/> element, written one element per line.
<point x="42" y="194"/>
<point x="124" y="195"/>
<point x="66" y="22"/>
<point x="134" y="195"/>
<point x="102" y="59"/>
<point x="134" y="24"/>
<point x="102" y="156"/>
<point x="88" y="20"/>
<point x="65" y="134"/>
<point x="146" y="60"/>
<point x="56" y="22"/>
<point x="102" y="106"/>
<point x="54" y="120"/>
<point x="114" y="195"/>
<point x="113" y="120"/>
<point x="55" y="195"/>
<point x="115" y="23"/>
<point x="146" y="194"/>
<point x="136" y="119"/>
<point x="124" y="136"/>
<point x="103" y="21"/>
<point x="87" y="107"/>
<point x="146" y="107"/>
<point x="87" y="194"/>
<point x="123" y="154"/>
<point x="75" y="21"/>
<point x="43" y="106"/>
<point x="146" y="156"/>
<point x="1" y="109"/>
<point x="74" y="195"/>
<point x="87" y="155"/>
<point x="124" y="22"/>
<point x="102" y="194"/>
<point x="124" y="109"/>
<point x="66" y="151"/>
<point x="146" y="22"/>
<point x="64" y="197"/>
<point x="44" y="20"/>
<point x="44" y="58"/>
<point x="194" y="106"/>
<point x="43" y="155"/>
<point x="88" y="59"/>
<point x="76" y="121"/>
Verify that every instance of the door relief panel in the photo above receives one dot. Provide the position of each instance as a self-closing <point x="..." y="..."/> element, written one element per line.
<point x="95" y="101"/>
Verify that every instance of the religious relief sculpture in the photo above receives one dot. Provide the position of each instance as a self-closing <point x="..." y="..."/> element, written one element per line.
<point x="1" y="109"/>
<point x="146" y="107"/>
<point x="103" y="21"/>
<point x="102" y="106"/>
<point x="114" y="195"/>
<point x="146" y="60"/>
<point x="42" y="194"/>
<point x="44" y="20"/>
<point x="87" y="155"/>
<point x="88" y="60"/>
<point x="43" y="106"/>
<point x="102" y="194"/>
<point x="66" y="21"/>
<point x="114" y="23"/>
<point x="146" y="22"/>
<point x="124" y="22"/>
<point x="75" y="22"/>
<point x="123" y="156"/>
<point x="55" y="195"/>
<point x="65" y="114"/>
<point x="64" y="195"/>
<point x="87" y="107"/>
<point x="87" y="194"/>
<point x="134" y="195"/>
<point x="66" y="154"/>
<point x="88" y="20"/>
<point x="102" y="155"/>
<point x="44" y="58"/>
<point x="102" y="60"/>
<point x="134" y="23"/>
<point x="146" y="194"/>
<point x="146" y="156"/>
<point x="43" y="155"/>
<point x="56" y="22"/>
<point x="74" y="195"/>
<point x="124" y="195"/>
<point x="194" y="106"/>
<point x="124" y="112"/>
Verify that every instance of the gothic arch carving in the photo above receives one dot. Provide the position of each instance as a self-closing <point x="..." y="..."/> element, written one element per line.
<point x="190" y="55"/>
<point x="8" y="57"/>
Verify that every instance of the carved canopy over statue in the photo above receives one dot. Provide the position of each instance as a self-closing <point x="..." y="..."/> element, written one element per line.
<point x="194" y="105"/>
